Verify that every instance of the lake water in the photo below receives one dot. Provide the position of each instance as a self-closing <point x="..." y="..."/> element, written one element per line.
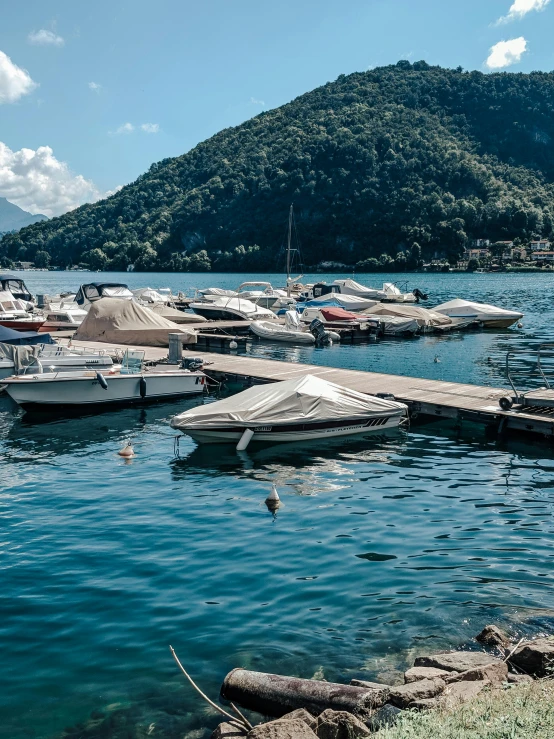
<point x="385" y="546"/>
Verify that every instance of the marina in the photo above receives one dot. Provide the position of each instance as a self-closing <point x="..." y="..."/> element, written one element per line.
<point x="119" y="556"/>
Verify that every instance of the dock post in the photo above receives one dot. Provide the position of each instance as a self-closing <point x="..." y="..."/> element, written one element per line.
<point x="175" y="348"/>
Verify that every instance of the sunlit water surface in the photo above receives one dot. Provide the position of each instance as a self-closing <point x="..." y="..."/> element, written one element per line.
<point x="385" y="547"/>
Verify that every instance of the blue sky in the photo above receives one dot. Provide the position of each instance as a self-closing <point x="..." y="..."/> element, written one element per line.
<point x="91" y="93"/>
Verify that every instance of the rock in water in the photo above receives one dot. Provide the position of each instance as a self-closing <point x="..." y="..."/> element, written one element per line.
<point x="423" y="673"/>
<point x="535" y="658"/>
<point x="456" y="661"/>
<point x="303" y="715"/>
<point x="340" y="725"/>
<point x="403" y="695"/>
<point x="226" y="731"/>
<point x="492" y="636"/>
<point x="295" y="729"/>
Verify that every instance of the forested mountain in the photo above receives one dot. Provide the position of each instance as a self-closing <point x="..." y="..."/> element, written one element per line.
<point x="13" y="217"/>
<point x="375" y="163"/>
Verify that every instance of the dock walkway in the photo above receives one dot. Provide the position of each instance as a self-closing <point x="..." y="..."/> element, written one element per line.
<point x="429" y="398"/>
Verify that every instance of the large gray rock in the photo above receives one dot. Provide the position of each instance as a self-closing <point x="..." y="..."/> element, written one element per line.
<point x="423" y="673"/>
<point x="461" y="692"/>
<point x="535" y="658"/>
<point x="227" y="731"/>
<point x="519" y="679"/>
<point x="456" y="661"/>
<point x="494" y="673"/>
<point x="295" y="729"/>
<point x="492" y="636"/>
<point x="374" y="698"/>
<point x="387" y="715"/>
<point x="303" y="715"/>
<point x="340" y="725"/>
<point x="402" y="695"/>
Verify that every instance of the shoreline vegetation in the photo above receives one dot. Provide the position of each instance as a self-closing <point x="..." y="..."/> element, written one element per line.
<point x="395" y="166"/>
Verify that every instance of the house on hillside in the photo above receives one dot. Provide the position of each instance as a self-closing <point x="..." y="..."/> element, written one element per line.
<point x="542" y="245"/>
<point x="543" y="256"/>
<point x="476" y="254"/>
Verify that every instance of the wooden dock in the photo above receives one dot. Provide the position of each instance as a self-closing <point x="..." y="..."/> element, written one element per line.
<point x="425" y="398"/>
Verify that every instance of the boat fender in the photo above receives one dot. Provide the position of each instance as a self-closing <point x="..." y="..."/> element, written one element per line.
<point x="505" y="403"/>
<point x="385" y="396"/>
<point x="102" y="380"/>
<point x="142" y="387"/>
<point x="245" y="440"/>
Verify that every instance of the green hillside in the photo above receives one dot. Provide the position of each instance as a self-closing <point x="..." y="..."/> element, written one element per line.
<point x="374" y="162"/>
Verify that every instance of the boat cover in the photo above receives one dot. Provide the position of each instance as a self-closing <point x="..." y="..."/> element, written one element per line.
<point x="351" y="287"/>
<point x="173" y="314"/>
<point x="423" y="316"/>
<point x="149" y="295"/>
<point x="9" y="336"/>
<point x="399" y="325"/>
<point x="96" y="290"/>
<point x="348" y="302"/>
<point x="21" y="356"/>
<point x="339" y="314"/>
<point x="465" y="308"/>
<point x="304" y="399"/>
<point x="119" y="321"/>
<point x="218" y="291"/>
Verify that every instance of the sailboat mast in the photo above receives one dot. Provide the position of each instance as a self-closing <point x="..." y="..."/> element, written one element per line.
<point x="288" y="251"/>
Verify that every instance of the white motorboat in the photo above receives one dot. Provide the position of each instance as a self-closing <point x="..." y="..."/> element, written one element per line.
<point x="489" y="315"/>
<point x="162" y="303"/>
<point x="17" y="288"/>
<point x="292" y="332"/>
<point x="394" y="295"/>
<point x="46" y="358"/>
<point x="232" y="309"/>
<point x="348" y="302"/>
<point x="14" y="314"/>
<point x="265" y="298"/>
<point x="62" y="318"/>
<point x="131" y="383"/>
<point x="295" y="410"/>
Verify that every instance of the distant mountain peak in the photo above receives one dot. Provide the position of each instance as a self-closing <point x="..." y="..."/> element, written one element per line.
<point x="12" y="217"/>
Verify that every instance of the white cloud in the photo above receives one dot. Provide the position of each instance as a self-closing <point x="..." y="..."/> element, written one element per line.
<point x="255" y="101"/>
<point x="520" y="8"/>
<point x="14" y="81"/>
<point x="125" y="128"/>
<point x="94" y="86"/>
<point x="45" y="38"/>
<point x="505" y="53"/>
<point x="38" y="182"/>
<point x="150" y="127"/>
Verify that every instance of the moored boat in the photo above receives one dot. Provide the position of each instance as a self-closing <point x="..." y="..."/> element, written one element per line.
<point x="292" y="332"/>
<point x="232" y="309"/>
<point x="304" y="408"/>
<point x="83" y="391"/>
<point x="491" y="316"/>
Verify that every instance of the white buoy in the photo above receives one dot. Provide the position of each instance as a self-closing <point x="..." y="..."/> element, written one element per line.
<point x="127" y="451"/>
<point x="436" y="360"/>
<point x="245" y="440"/>
<point x="273" y="501"/>
<point x="520" y="325"/>
<point x="233" y="345"/>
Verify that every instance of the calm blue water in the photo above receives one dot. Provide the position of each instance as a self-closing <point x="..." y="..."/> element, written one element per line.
<point x="385" y="546"/>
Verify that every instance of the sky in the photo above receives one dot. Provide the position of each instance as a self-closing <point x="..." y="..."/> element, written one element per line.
<point x="92" y="93"/>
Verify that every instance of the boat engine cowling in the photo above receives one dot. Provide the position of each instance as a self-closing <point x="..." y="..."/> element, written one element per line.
<point x="419" y="294"/>
<point x="317" y="329"/>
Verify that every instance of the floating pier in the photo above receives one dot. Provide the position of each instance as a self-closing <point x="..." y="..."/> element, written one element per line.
<point x="428" y="399"/>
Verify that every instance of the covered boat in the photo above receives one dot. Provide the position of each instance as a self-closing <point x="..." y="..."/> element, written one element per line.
<point x="348" y="302"/>
<point x="351" y="287"/>
<point x="16" y="287"/>
<point x="489" y="315"/>
<point x="294" y="410"/>
<point x="426" y="319"/>
<point x="21" y="338"/>
<point x="125" y="322"/>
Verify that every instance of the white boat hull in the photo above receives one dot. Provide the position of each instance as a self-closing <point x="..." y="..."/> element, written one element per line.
<point x="63" y="391"/>
<point x="298" y="432"/>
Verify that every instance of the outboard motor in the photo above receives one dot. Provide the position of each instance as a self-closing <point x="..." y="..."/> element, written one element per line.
<point x="317" y="329"/>
<point x="419" y="295"/>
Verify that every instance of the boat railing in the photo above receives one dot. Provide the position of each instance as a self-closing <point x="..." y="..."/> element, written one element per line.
<point x="532" y="366"/>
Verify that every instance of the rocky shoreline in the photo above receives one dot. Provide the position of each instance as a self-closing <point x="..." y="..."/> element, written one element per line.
<point x="308" y="709"/>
